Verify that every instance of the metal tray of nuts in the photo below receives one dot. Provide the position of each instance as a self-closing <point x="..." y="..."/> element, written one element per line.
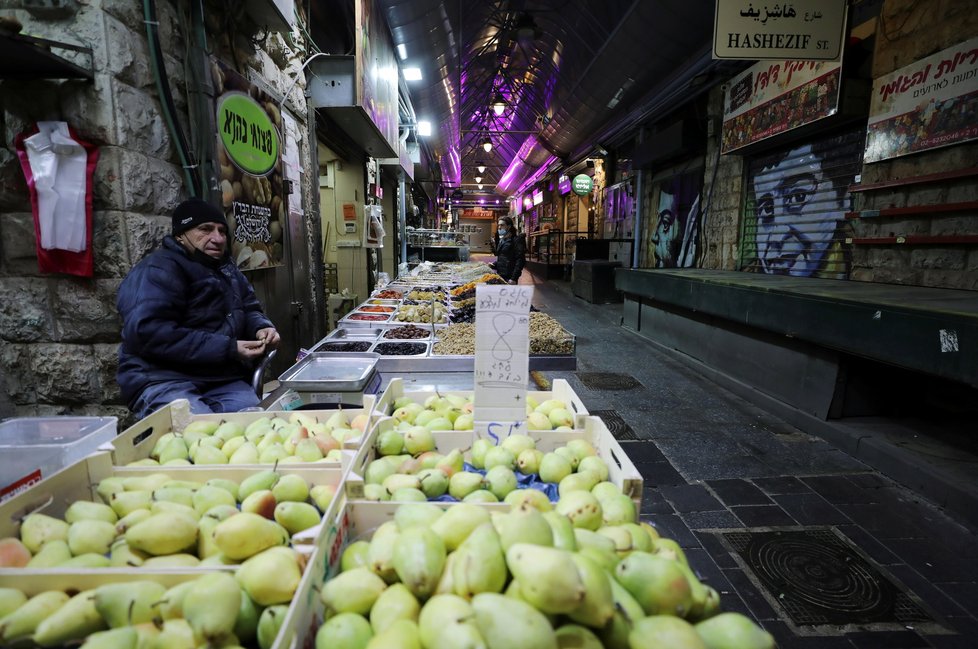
<point x="403" y="328"/>
<point x="358" y="333"/>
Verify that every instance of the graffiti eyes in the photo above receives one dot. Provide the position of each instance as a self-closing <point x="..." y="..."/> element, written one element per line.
<point x="765" y="207"/>
<point x="796" y="197"/>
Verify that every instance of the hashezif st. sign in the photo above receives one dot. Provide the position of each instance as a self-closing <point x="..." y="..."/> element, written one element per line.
<point x="810" y="30"/>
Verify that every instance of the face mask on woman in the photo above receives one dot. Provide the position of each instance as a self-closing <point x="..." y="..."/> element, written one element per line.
<point x="502" y="232"/>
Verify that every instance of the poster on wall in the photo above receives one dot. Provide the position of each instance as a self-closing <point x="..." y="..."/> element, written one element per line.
<point x="929" y="104"/>
<point x="773" y="97"/>
<point x="376" y="72"/>
<point x="796" y="203"/>
<point x="249" y="149"/>
<point x="672" y="243"/>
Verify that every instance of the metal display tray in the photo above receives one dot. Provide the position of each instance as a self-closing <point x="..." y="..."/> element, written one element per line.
<point x="425" y="350"/>
<point x="360" y="333"/>
<point x="345" y="321"/>
<point x="331" y="372"/>
<point x="411" y="364"/>
<point x="426" y="327"/>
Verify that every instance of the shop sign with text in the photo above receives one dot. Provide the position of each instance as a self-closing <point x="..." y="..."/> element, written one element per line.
<point x="249" y="148"/>
<point x="800" y="30"/>
<point x="929" y="104"/>
<point x="582" y="184"/>
<point x="773" y="97"/>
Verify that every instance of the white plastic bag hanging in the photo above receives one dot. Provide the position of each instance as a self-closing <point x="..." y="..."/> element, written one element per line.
<point x="59" y="166"/>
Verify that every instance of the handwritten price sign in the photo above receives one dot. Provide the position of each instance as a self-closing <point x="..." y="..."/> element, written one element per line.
<point x="502" y="347"/>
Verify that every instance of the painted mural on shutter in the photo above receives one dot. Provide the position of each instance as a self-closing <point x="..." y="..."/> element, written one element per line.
<point x="796" y="200"/>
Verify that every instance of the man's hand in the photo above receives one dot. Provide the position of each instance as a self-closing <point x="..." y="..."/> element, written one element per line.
<point x="249" y="350"/>
<point x="269" y="336"/>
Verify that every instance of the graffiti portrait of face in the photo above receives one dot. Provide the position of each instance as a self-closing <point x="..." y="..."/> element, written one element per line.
<point x="664" y="237"/>
<point x="798" y="211"/>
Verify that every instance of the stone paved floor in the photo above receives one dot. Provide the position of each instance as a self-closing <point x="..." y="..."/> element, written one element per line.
<point x="712" y="461"/>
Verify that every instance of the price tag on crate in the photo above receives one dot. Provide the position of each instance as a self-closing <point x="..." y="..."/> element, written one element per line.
<point x="502" y="347"/>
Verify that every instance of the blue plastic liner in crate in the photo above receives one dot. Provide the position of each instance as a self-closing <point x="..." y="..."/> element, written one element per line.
<point x="523" y="481"/>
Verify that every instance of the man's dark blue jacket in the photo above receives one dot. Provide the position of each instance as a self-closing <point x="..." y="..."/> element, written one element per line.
<point x="182" y="320"/>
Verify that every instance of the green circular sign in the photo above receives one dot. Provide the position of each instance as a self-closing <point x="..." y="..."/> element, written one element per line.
<point x="247" y="133"/>
<point x="582" y="184"/>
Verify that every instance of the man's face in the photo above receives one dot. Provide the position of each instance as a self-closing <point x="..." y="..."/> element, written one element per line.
<point x="665" y="232"/>
<point x="797" y="214"/>
<point x="210" y="238"/>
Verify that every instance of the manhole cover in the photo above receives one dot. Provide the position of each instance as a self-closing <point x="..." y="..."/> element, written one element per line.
<point x="607" y="381"/>
<point x="615" y="424"/>
<point x="819" y="579"/>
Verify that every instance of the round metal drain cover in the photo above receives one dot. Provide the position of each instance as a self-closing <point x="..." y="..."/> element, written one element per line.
<point x="824" y="576"/>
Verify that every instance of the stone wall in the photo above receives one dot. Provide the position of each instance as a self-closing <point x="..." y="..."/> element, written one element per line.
<point x="59" y="334"/>
<point x="907" y="31"/>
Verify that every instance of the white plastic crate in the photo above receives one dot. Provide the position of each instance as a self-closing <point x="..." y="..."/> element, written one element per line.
<point x="33" y="448"/>
<point x="621" y="471"/>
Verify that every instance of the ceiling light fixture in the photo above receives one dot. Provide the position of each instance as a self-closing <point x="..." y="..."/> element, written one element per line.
<point x="498" y="104"/>
<point x="478" y="179"/>
<point x="486" y="144"/>
<point x="402" y="51"/>
<point x="481" y="167"/>
<point x="424" y="128"/>
<point x="412" y="74"/>
<point x="479" y="185"/>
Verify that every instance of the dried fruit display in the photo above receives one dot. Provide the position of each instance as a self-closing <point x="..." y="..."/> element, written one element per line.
<point x="407" y="332"/>
<point x="356" y="346"/>
<point x="377" y="309"/>
<point x="389" y="294"/>
<point x="400" y="349"/>
<point x="368" y="316"/>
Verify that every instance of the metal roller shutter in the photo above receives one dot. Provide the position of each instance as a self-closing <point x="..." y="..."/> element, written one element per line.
<point x="794" y="213"/>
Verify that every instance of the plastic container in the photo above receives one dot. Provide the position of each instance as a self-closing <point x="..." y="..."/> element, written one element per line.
<point x="33" y="448"/>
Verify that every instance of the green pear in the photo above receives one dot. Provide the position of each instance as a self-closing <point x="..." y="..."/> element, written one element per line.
<point x="84" y="509"/>
<point x="260" y="502"/>
<point x="375" y="492"/>
<point x="206" y="545"/>
<point x="50" y="555"/>
<point x="269" y="623"/>
<point x="175" y="634"/>
<point x="418" y="560"/>
<point x="380" y="554"/>
<point x="582" y="508"/>
<point x="232" y="445"/>
<point x="500" y="481"/>
<point x="258" y="426"/>
<point x="581" y="481"/>
<point x="38" y="529"/>
<point x="292" y="488"/>
<point x="618" y="510"/>
<point x="131" y="519"/>
<point x="481" y="496"/>
<point x="423" y="514"/>
<point x="588" y="539"/>
<point x="395" y="603"/>
<point x="668" y="549"/>
<point x="657" y="584"/>
<point x="354" y="591"/>
<point x="210" y="496"/>
<point x="516" y="444"/>
<point x="146" y="461"/>
<point x="389" y="442"/>
<point x="296" y="517"/>
<point x="448" y="622"/>
<point x="479" y="565"/>
<point x="402" y="634"/>
<point x="522" y="525"/>
<point x="666" y="631"/>
<point x="246" y="534"/>
<point x="125" y="638"/>
<point x="322" y="495"/>
<point x="379" y="470"/>
<point x="149" y="482"/>
<point x="499" y="456"/>
<point x="533" y="497"/>
<point x="402" y="481"/>
<point x="434" y="482"/>
<point x="594" y="464"/>
<point x="21" y="623"/>
<point x="528" y="461"/>
<point x="208" y="455"/>
<point x="506" y="622"/>
<point x="561" y="529"/>
<point x="462" y="484"/>
<point x="108" y="486"/>
<point x="538" y="421"/>
<point x="458" y="521"/>
<point x="75" y="620"/>
<point x="700" y="595"/>
<point x="126" y="502"/>
<point x="480" y="447"/>
<point x="408" y="494"/>
<point x="179" y="495"/>
<point x="175" y="449"/>
<point x="554" y="468"/>
<point x="576" y="637"/>
<point x="344" y="631"/>
<point x="164" y="533"/>
<point x="598" y="606"/>
<point x="263" y="480"/>
<point x="270" y="577"/>
<point x="545" y="580"/>
<point x="568" y="455"/>
<point x="308" y="450"/>
<point x="212" y="605"/>
<point x="228" y="430"/>
<point x="122" y="556"/>
<point x="10" y="600"/>
<point x="171" y="604"/>
<point x="246" y="623"/>
<point x="419" y="439"/>
<point x="228" y="485"/>
<point x="621" y="537"/>
<point x="733" y="630"/>
<point x="90" y="560"/>
<point x="181" y="560"/>
<point x="128" y="603"/>
<point x="627" y="613"/>
<point x="640" y="540"/>
<point x="90" y="536"/>
<point x="452" y="462"/>
<point x="202" y="426"/>
<point x="355" y="556"/>
<point x="13" y="553"/>
<point x="170" y="507"/>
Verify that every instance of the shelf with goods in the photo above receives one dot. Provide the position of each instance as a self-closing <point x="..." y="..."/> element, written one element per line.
<point x="439" y="245"/>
